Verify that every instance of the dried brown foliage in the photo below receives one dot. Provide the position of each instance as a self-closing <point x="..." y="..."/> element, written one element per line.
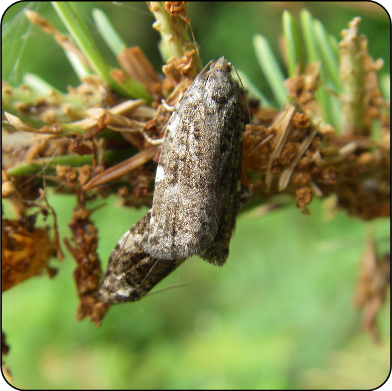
<point x="88" y="272"/>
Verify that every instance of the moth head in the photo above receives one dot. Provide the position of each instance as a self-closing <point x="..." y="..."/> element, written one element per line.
<point x="219" y="86"/>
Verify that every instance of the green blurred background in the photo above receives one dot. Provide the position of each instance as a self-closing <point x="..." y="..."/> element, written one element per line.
<point x="278" y="315"/>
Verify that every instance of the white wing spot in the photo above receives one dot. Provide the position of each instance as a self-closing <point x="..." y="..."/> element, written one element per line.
<point x="173" y="124"/>
<point x="124" y="292"/>
<point x="160" y="174"/>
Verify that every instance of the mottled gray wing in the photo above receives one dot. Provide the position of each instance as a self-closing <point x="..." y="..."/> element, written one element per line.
<point x="198" y="176"/>
<point x="131" y="272"/>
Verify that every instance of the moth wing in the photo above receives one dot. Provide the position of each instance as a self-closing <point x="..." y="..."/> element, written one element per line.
<point x="122" y="281"/>
<point x="184" y="216"/>
<point x="198" y="171"/>
<point x="131" y="272"/>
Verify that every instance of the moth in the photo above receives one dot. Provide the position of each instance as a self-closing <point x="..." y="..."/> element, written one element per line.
<point x="198" y="178"/>
<point x="197" y="191"/>
<point x="131" y="272"/>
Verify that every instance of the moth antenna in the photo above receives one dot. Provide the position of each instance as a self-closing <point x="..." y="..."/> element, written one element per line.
<point x="166" y="289"/>
<point x="148" y="273"/>
<point x="247" y="103"/>
<point x="194" y="41"/>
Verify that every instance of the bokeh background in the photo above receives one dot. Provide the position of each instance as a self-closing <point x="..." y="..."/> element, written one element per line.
<point x="278" y="315"/>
